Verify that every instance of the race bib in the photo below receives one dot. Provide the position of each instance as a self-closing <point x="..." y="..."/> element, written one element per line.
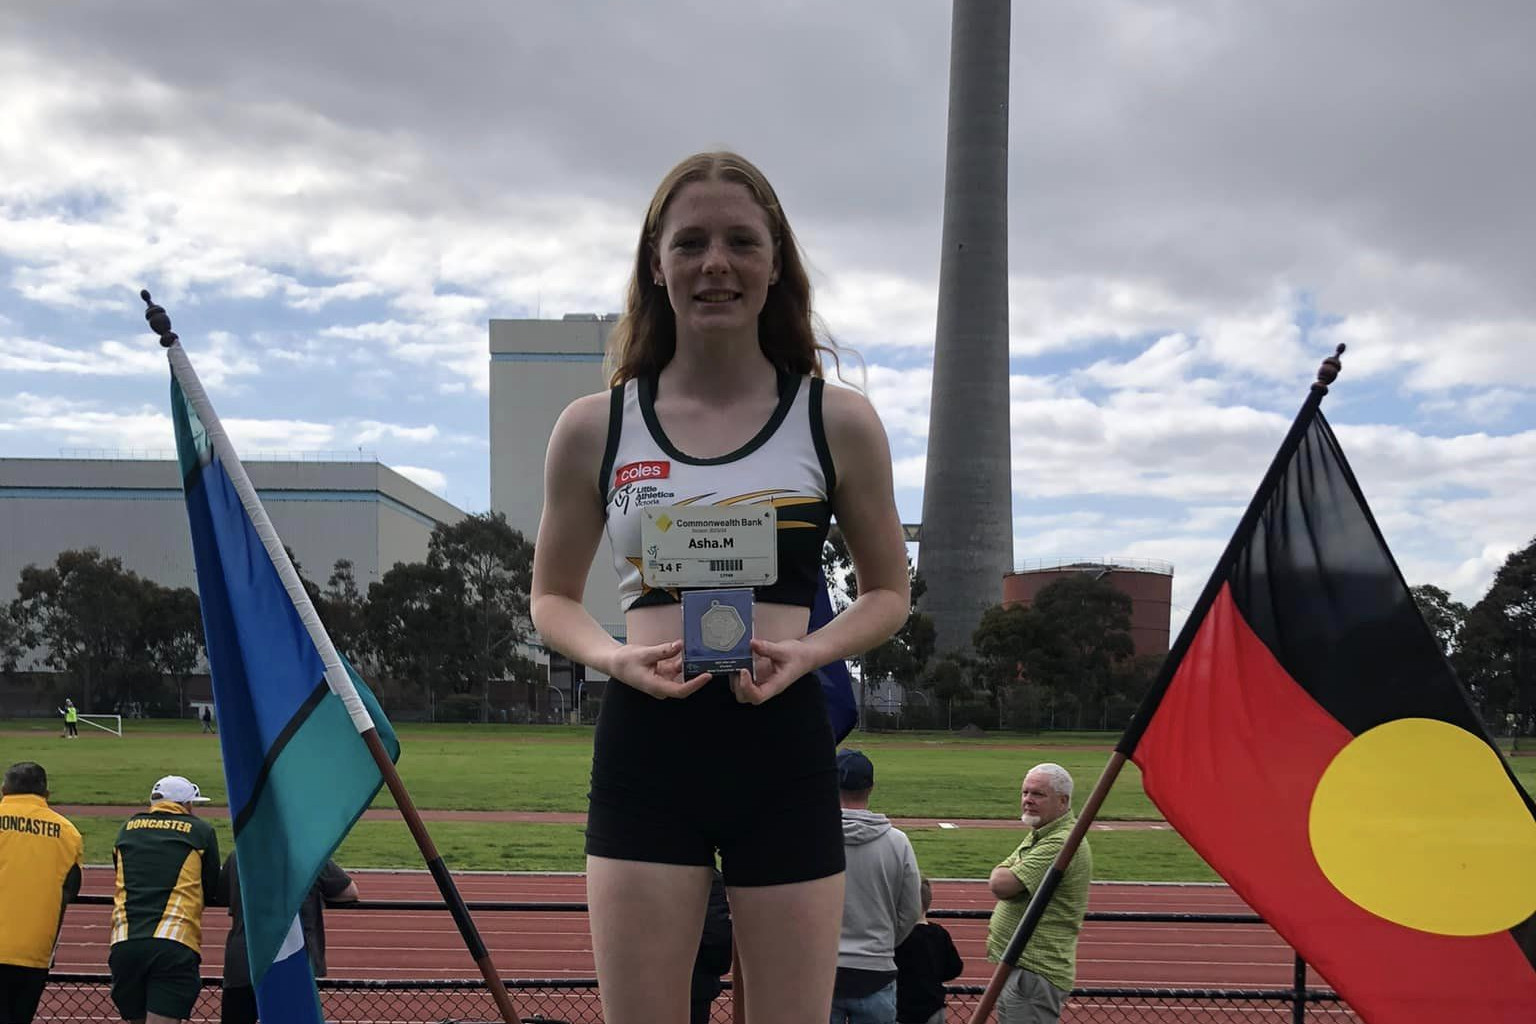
<point x="709" y="546"/>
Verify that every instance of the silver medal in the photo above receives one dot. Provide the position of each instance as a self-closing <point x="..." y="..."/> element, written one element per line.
<point x="721" y="627"/>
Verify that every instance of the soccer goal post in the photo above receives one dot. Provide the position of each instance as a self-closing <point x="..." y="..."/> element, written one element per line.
<point x="106" y="723"/>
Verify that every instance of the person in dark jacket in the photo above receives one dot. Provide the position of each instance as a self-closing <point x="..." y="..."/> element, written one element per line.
<point x="239" y="1003"/>
<point x="924" y="962"/>
<point x="714" y="957"/>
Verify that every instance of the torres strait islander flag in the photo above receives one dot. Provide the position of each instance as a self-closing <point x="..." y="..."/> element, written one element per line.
<point x="1308" y="738"/>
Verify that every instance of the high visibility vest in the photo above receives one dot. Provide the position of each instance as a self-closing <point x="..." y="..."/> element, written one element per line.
<point x="71" y="714"/>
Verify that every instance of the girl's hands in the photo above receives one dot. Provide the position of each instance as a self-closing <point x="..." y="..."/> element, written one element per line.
<point x="656" y="670"/>
<point x="776" y="664"/>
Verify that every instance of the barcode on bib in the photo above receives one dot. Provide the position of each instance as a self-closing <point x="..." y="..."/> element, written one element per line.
<point x="725" y="565"/>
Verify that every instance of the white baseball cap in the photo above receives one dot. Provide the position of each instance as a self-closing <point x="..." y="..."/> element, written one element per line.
<point x="178" y="790"/>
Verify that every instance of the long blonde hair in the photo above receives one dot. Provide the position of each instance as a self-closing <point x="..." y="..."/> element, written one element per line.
<point x="645" y="337"/>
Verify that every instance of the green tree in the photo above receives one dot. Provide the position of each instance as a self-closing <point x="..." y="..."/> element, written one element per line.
<point x="1067" y="651"/>
<point x="837" y="569"/>
<point x="1083" y="632"/>
<point x="1003" y="640"/>
<point x="173" y="635"/>
<point x="83" y="613"/>
<point x="1444" y="615"/>
<point x="905" y="656"/>
<point x="311" y="588"/>
<point x="415" y="630"/>
<point x="11" y="646"/>
<point x="1496" y="653"/>
<point x="489" y="569"/>
<point x="947" y="678"/>
<point x="342" y="608"/>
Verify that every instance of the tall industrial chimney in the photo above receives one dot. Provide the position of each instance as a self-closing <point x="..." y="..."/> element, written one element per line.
<point x="967" y="531"/>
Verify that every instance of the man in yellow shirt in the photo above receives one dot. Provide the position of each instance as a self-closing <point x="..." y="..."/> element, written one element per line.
<point x="40" y="858"/>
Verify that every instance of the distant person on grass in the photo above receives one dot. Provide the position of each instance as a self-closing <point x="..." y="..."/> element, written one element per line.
<point x="71" y="719"/>
<point x="167" y="862"/>
<point x="1036" y="992"/>
<point x="924" y="962"/>
<point x="207" y="719"/>
<point x="40" y="857"/>
<point x="881" y="903"/>
<point x="333" y="886"/>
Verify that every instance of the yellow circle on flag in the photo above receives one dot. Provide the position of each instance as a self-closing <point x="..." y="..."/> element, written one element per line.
<point x="1417" y="822"/>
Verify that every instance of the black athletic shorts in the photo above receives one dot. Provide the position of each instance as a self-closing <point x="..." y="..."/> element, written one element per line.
<point x="20" y="990"/>
<point x="673" y="781"/>
<point x="155" y="976"/>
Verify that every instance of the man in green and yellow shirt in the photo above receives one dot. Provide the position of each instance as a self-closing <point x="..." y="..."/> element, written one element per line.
<point x="40" y="856"/>
<point x="1047" y="966"/>
<point x="167" y="863"/>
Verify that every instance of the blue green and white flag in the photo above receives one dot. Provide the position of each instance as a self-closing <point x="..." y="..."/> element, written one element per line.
<point x="292" y="712"/>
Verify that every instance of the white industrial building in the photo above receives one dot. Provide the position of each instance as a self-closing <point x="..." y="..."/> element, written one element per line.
<point x="537" y="368"/>
<point x="132" y="509"/>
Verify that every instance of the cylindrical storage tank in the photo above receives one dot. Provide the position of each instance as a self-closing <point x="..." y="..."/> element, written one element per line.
<point x="1148" y="583"/>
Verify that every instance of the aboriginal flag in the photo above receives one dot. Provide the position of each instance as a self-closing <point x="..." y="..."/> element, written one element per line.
<point x="1309" y="740"/>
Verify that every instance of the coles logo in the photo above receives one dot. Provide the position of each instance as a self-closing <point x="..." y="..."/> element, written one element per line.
<point x="636" y="472"/>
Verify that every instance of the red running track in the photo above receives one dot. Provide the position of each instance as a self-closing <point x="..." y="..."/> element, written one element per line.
<point x="545" y="944"/>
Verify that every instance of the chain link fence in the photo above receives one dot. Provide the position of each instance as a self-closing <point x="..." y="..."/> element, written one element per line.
<point x="86" y="997"/>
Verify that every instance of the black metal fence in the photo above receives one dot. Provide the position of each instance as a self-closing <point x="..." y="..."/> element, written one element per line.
<point x="86" y="997"/>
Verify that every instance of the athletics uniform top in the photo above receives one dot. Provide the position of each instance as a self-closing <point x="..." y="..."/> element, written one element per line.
<point x="167" y="865"/>
<point x="787" y="465"/>
<point x="39" y="851"/>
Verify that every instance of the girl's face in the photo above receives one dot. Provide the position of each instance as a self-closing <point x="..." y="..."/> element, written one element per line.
<point x="716" y="254"/>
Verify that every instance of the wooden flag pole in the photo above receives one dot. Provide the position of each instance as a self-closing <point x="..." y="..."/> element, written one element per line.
<point x="160" y="323"/>
<point x="440" y="875"/>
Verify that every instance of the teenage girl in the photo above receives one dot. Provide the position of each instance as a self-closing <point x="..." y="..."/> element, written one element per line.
<point x="717" y="399"/>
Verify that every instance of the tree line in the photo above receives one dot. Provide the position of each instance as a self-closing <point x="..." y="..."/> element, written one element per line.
<point x="1492" y="645"/>
<point x="439" y="633"/>
<point x="1066" y="660"/>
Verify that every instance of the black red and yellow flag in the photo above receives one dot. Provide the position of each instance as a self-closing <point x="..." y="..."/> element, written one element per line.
<point x="1310" y="741"/>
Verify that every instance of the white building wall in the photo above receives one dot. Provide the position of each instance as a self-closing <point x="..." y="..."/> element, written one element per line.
<point x="538" y="367"/>
<point x="133" y="510"/>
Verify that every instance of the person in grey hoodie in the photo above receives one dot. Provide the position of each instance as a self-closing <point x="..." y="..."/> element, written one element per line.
<point x="881" y="900"/>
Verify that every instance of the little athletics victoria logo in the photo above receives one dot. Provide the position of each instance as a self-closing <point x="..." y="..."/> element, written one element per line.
<point x="633" y="484"/>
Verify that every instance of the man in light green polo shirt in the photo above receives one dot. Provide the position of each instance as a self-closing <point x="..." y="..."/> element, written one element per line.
<point x="1037" y="990"/>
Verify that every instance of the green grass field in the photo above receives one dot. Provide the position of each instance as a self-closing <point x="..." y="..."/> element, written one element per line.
<point x="530" y="768"/>
<point x="943" y="853"/>
<point x="541" y="768"/>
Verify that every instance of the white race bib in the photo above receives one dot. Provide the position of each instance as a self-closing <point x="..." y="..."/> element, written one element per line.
<point x="709" y="546"/>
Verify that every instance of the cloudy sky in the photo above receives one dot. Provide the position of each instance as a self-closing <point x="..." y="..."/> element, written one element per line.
<point x="334" y="197"/>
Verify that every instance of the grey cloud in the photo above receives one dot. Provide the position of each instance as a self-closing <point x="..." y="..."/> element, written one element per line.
<point x="602" y="96"/>
<point x="1212" y="149"/>
<point x="1200" y="167"/>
